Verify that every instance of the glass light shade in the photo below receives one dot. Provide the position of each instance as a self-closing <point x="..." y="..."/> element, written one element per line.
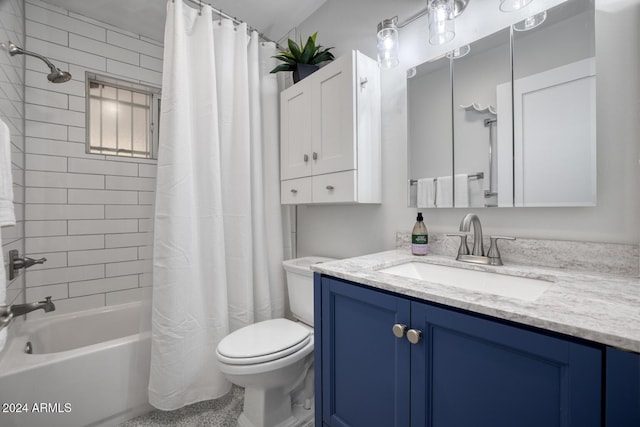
<point x="531" y="22"/>
<point x="513" y="5"/>
<point x="441" y="21"/>
<point x="388" y="44"/>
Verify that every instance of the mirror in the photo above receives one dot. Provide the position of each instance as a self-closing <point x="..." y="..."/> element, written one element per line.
<point x="430" y="130"/>
<point x="476" y="140"/>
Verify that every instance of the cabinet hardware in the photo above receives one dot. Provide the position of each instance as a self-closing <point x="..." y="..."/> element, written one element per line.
<point x="414" y="336"/>
<point x="363" y="82"/>
<point x="294" y="191"/>
<point x="315" y="156"/>
<point x="306" y="158"/>
<point x="399" y="330"/>
<point x="329" y="187"/>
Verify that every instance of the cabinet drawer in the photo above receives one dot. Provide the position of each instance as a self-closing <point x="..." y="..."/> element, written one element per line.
<point x="295" y="191"/>
<point x="339" y="187"/>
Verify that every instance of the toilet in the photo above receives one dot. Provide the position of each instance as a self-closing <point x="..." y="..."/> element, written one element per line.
<point x="273" y="359"/>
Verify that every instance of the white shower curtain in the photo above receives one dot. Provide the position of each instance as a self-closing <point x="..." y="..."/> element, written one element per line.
<point x="218" y="243"/>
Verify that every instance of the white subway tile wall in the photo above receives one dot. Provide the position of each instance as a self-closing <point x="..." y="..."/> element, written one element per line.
<point x="12" y="74"/>
<point x="89" y="215"/>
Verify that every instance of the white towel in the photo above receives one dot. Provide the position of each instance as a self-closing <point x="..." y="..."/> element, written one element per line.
<point x="426" y="193"/>
<point x="7" y="215"/>
<point x="461" y="182"/>
<point x="444" y="192"/>
<point x="476" y="193"/>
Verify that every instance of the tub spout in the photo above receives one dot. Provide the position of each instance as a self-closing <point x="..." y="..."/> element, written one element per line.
<point x="20" y="309"/>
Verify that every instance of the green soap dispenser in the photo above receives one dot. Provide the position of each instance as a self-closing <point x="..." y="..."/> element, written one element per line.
<point x="419" y="237"/>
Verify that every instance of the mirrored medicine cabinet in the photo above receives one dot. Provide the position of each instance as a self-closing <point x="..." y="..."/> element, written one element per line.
<point x="509" y="120"/>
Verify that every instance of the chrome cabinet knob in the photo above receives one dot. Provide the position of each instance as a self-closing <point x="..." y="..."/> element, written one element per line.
<point x="306" y="158"/>
<point x="399" y="330"/>
<point x="315" y="156"/>
<point x="414" y="336"/>
<point x="330" y="187"/>
<point x="294" y="191"/>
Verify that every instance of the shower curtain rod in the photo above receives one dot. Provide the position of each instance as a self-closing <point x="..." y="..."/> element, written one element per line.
<point x="235" y="20"/>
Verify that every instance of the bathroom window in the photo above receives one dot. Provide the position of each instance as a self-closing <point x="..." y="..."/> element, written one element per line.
<point x="122" y="117"/>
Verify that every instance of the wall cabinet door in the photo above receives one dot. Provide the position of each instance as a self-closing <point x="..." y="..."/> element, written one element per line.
<point x="470" y="371"/>
<point x="295" y="131"/>
<point x="365" y="368"/>
<point x="333" y="139"/>
<point x="466" y="370"/>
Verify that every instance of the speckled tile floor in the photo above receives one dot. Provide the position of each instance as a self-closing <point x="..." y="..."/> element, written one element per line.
<point x="221" y="412"/>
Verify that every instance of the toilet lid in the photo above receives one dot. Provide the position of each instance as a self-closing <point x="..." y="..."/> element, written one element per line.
<point x="263" y="341"/>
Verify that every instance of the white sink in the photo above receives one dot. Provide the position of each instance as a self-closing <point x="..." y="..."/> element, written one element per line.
<point x="522" y="288"/>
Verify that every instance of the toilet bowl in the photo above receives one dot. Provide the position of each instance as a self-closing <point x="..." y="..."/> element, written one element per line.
<point x="273" y="359"/>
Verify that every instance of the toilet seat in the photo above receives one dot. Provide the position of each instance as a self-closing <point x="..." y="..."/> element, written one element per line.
<point x="263" y="342"/>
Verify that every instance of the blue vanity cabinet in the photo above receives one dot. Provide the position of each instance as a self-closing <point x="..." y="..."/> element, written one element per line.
<point x="472" y="371"/>
<point x="622" y="388"/>
<point x="364" y="368"/>
<point x="465" y="369"/>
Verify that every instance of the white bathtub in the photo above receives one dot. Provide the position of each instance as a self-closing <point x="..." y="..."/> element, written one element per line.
<point x="89" y="368"/>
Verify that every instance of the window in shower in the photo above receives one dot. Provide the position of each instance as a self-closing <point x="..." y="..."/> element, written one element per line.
<point x="122" y="117"/>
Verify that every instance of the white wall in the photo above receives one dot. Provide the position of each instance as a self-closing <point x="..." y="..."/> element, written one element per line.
<point x="89" y="215"/>
<point x="12" y="113"/>
<point x="352" y="230"/>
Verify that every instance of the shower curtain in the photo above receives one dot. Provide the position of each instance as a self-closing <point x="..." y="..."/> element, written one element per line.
<point x="218" y="243"/>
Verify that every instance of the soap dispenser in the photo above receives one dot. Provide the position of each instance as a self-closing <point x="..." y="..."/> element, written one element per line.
<point x="419" y="237"/>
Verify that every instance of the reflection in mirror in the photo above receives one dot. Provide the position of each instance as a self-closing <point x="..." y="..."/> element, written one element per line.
<point x="554" y="108"/>
<point x="430" y="134"/>
<point x="476" y="115"/>
<point x="484" y="141"/>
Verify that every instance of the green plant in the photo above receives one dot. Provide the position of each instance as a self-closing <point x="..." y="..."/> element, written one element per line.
<point x="310" y="53"/>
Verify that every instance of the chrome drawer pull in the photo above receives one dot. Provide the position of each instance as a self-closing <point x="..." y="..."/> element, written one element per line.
<point x="329" y="187"/>
<point x="294" y="191"/>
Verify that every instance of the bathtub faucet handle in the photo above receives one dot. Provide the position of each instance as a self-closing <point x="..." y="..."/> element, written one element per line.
<point x="16" y="263"/>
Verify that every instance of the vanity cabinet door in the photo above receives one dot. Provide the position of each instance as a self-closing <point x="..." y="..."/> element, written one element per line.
<point x="365" y="368"/>
<point x="471" y="371"/>
<point x="622" y="388"/>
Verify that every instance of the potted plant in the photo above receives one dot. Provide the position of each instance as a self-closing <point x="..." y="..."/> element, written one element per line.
<point x="303" y="60"/>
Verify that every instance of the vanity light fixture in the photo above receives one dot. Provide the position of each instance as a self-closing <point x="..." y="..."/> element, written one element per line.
<point x="513" y="5"/>
<point x="388" y="43"/>
<point x="441" y="21"/>
<point x="442" y="14"/>
<point x="531" y="22"/>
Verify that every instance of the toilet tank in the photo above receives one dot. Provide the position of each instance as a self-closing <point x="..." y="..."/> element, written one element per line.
<point x="300" y="286"/>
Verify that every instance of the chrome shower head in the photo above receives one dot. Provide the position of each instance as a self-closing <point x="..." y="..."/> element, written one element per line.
<point x="55" y="76"/>
<point x="59" y="76"/>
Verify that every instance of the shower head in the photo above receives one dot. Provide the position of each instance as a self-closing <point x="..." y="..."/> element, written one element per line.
<point x="59" y="76"/>
<point x="55" y="76"/>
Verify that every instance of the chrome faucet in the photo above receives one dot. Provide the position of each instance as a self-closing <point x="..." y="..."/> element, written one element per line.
<point x="9" y="312"/>
<point x="465" y="226"/>
<point x="20" y="309"/>
<point x="477" y="255"/>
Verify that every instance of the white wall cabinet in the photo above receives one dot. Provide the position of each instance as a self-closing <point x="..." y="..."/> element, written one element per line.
<point x="330" y="134"/>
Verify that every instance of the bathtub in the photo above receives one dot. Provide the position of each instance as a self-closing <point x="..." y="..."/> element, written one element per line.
<point x="89" y="368"/>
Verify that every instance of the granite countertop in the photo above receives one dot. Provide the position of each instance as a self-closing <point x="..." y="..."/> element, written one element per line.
<point x="598" y="307"/>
